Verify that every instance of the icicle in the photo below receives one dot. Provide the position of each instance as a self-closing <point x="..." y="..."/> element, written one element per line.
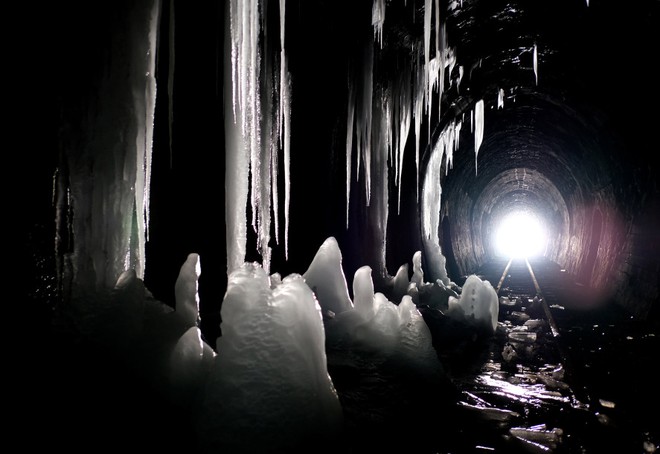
<point x="479" y="130"/>
<point x="287" y="159"/>
<point x="432" y="66"/>
<point x="237" y="164"/>
<point x="461" y="70"/>
<point x="432" y="190"/>
<point x="387" y="120"/>
<point x="170" y="79"/>
<point x="378" y="209"/>
<point x="472" y="121"/>
<point x="144" y="147"/>
<point x="364" y="120"/>
<point x="274" y="171"/>
<point x="349" y="145"/>
<point x="449" y="150"/>
<point x="438" y="49"/>
<point x="285" y="124"/>
<point x="405" y="114"/>
<point x="587" y="3"/>
<point x="427" y="32"/>
<point x="419" y="106"/>
<point x="457" y="137"/>
<point x="500" y="99"/>
<point x="536" y="64"/>
<point x="378" y="19"/>
<point x="269" y="126"/>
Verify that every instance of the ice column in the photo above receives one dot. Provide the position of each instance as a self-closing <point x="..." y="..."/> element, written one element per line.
<point x="256" y="126"/>
<point x="113" y="143"/>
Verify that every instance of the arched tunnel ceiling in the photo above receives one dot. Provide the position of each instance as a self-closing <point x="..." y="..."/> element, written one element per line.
<point x="568" y="133"/>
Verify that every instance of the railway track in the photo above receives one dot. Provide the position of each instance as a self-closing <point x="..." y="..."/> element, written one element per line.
<point x="538" y="389"/>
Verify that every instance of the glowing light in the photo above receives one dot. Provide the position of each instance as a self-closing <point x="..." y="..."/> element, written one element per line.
<point x="519" y="235"/>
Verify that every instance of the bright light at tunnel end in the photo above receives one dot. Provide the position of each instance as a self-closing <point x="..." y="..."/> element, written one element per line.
<point x="520" y="235"/>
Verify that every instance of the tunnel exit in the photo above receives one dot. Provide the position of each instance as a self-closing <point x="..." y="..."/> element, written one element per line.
<point x="520" y="235"/>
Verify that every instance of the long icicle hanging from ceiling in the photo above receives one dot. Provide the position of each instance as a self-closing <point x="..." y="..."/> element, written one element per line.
<point x="257" y="128"/>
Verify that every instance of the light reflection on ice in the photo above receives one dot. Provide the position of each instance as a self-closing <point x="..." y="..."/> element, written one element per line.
<point x="533" y="394"/>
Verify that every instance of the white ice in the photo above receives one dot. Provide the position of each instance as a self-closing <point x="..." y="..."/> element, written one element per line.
<point x="269" y="388"/>
<point x="536" y="64"/>
<point x="378" y="19"/>
<point x="325" y="277"/>
<point x="478" y="130"/>
<point x="477" y="305"/>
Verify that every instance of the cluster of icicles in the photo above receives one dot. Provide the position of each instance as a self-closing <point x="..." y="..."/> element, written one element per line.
<point x="379" y="119"/>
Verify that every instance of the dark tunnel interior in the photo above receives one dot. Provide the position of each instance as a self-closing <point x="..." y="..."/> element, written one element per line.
<point x="571" y="138"/>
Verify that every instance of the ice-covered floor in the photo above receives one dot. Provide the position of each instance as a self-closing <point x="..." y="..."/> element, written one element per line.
<point x="589" y="390"/>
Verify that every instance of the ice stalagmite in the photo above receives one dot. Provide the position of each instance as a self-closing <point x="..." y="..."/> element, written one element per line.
<point x="478" y="304"/>
<point x="269" y="388"/>
<point x="478" y="129"/>
<point x="325" y="277"/>
<point x="500" y="98"/>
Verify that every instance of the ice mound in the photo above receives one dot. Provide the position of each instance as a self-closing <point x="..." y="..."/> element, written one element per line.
<point x="380" y="326"/>
<point x="269" y="389"/>
<point x="477" y="305"/>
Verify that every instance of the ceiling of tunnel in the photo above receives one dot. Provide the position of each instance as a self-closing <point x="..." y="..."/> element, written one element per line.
<point x="572" y="128"/>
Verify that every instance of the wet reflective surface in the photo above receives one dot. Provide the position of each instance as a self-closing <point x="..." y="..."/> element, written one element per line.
<point x="588" y="389"/>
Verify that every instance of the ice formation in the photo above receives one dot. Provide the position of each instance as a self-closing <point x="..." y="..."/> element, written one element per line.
<point x="377" y="20"/>
<point x="478" y="130"/>
<point x="380" y="114"/>
<point x="478" y="304"/>
<point x="269" y="388"/>
<point x="110" y="225"/>
<point x="536" y="64"/>
<point x="256" y="126"/>
<point x="325" y="277"/>
<point x="380" y="327"/>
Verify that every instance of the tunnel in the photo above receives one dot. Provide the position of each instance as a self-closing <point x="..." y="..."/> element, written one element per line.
<point x="394" y="128"/>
